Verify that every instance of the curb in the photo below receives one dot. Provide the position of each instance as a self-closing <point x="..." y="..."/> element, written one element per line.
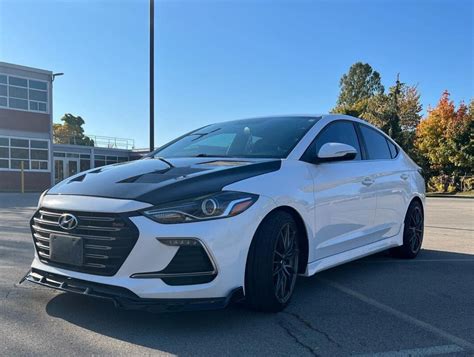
<point x="440" y="195"/>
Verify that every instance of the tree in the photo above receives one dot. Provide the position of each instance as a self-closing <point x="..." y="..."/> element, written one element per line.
<point x="71" y="131"/>
<point x="445" y="138"/>
<point x="396" y="113"/>
<point x="357" y="86"/>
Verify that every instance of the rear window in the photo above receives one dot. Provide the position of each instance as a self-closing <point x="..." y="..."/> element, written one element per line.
<point x="392" y="148"/>
<point x="375" y="143"/>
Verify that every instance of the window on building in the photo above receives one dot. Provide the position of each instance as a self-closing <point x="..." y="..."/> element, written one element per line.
<point x="3" y="90"/>
<point x="4" y="153"/>
<point x="99" y="160"/>
<point x="34" y="154"/>
<point x="85" y="162"/>
<point x="24" y="94"/>
<point x="111" y="160"/>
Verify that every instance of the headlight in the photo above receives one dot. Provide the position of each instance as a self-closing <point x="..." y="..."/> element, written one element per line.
<point x="40" y="201"/>
<point x="217" y="205"/>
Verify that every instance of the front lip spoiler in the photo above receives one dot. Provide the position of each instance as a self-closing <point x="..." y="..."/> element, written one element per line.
<point x="124" y="298"/>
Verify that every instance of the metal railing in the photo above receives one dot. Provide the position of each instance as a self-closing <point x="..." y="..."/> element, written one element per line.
<point x="96" y="141"/>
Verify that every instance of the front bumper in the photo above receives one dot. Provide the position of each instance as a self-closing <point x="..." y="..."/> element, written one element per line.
<point x="227" y="242"/>
<point x="124" y="298"/>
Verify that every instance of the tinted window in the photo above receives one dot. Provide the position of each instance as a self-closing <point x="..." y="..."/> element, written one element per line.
<point x="392" y="148"/>
<point x="376" y="144"/>
<point x="262" y="137"/>
<point x="338" y="132"/>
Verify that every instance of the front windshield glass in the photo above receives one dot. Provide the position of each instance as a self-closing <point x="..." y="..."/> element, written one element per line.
<point x="262" y="137"/>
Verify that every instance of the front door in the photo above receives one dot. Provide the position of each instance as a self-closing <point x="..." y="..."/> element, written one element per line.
<point x="58" y="170"/>
<point x="72" y="166"/>
<point x="65" y="167"/>
<point x="345" y="199"/>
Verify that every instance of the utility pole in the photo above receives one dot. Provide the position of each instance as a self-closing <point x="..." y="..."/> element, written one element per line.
<point x="152" y="75"/>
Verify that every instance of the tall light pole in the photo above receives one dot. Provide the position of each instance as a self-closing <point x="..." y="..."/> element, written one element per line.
<point x="51" y="136"/>
<point x="152" y="75"/>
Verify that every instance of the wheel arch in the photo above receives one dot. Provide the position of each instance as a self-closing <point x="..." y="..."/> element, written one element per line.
<point x="303" y="240"/>
<point x="419" y="200"/>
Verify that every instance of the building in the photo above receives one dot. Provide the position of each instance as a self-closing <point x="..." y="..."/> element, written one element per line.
<point x="26" y="135"/>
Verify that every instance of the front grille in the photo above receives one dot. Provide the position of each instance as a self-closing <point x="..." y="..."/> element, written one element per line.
<point x="108" y="239"/>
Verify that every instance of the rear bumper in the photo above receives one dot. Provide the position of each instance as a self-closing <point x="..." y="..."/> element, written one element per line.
<point x="124" y="298"/>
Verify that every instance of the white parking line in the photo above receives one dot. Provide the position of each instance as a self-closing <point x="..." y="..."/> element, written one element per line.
<point x="421" y="324"/>
<point x="417" y="352"/>
<point x="452" y="228"/>
<point x="416" y="261"/>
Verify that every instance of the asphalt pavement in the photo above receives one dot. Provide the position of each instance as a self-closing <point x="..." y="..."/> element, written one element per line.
<point x="376" y="306"/>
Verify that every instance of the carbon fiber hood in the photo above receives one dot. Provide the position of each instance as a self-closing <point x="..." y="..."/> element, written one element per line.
<point x="155" y="182"/>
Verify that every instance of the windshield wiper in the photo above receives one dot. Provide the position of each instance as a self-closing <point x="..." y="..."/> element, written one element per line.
<point x="200" y="135"/>
<point x="165" y="161"/>
<point x="207" y="155"/>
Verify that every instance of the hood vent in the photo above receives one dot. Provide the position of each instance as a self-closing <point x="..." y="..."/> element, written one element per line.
<point x="79" y="178"/>
<point x="162" y="175"/>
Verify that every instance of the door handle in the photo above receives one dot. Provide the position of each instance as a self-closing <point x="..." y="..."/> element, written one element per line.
<point x="367" y="181"/>
<point x="404" y="176"/>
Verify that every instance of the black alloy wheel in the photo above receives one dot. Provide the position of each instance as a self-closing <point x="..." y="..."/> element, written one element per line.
<point x="272" y="263"/>
<point x="285" y="263"/>
<point x="412" y="233"/>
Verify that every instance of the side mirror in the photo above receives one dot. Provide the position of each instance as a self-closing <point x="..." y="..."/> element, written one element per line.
<point x="336" y="152"/>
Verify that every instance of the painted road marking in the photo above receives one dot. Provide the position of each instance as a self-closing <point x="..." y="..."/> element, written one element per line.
<point x="451" y="228"/>
<point x="402" y="316"/>
<point x="417" y="352"/>
<point x="415" y="261"/>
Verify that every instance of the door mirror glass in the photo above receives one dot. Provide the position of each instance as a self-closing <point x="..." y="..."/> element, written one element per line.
<point x="336" y="152"/>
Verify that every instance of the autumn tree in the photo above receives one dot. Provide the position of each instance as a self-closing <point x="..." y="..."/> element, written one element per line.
<point x="397" y="113"/>
<point x="71" y="131"/>
<point x="357" y="86"/>
<point x="445" y="138"/>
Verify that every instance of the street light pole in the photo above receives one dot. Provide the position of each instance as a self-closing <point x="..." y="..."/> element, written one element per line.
<point x="152" y="75"/>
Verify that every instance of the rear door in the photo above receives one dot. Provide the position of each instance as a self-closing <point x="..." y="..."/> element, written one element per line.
<point x="345" y="200"/>
<point x="390" y="181"/>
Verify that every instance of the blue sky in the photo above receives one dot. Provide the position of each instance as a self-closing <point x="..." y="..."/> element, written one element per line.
<point x="222" y="60"/>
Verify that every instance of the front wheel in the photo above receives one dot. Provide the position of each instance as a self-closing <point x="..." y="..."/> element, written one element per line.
<point x="272" y="264"/>
<point x="412" y="233"/>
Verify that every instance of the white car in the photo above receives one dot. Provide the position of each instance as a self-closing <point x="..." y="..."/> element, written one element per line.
<point x="232" y="210"/>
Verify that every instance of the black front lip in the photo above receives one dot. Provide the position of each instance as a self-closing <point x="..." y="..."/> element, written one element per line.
<point x="124" y="298"/>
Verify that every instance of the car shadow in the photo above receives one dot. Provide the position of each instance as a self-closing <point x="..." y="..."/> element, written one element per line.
<point x="188" y="333"/>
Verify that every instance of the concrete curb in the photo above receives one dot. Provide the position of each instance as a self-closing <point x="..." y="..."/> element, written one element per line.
<point x="440" y="195"/>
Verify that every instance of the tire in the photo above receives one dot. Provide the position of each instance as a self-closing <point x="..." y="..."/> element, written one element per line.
<point x="272" y="263"/>
<point x="412" y="233"/>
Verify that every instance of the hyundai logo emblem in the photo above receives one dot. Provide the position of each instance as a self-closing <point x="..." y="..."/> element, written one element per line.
<point x="67" y="221"/>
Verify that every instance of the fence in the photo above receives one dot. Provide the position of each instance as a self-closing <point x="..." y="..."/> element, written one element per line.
<point x="96" y="141"/>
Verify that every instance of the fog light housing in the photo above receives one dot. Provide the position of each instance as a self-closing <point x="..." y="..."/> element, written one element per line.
<point x="179" y="242"/>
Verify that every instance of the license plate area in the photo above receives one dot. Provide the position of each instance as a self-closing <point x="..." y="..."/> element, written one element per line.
<point x="66" y="249"/>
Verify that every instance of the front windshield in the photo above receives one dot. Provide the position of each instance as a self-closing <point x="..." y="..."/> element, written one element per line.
<point x="262" y="137"/>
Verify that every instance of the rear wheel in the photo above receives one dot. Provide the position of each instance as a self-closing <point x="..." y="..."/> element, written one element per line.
<point x="272" y="264"/>
<point x="413" y="232"/>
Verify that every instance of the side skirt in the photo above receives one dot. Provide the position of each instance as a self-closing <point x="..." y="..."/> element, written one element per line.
<point x="354" y="254"/>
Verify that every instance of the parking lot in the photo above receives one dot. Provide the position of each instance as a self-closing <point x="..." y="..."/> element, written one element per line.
<point x="377" y="306"/>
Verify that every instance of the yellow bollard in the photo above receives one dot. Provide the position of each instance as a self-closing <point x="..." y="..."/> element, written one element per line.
<point x="22" y="177"/>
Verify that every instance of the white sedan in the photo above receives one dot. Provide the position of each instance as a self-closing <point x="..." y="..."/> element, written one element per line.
<point x="232" y="210"/>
